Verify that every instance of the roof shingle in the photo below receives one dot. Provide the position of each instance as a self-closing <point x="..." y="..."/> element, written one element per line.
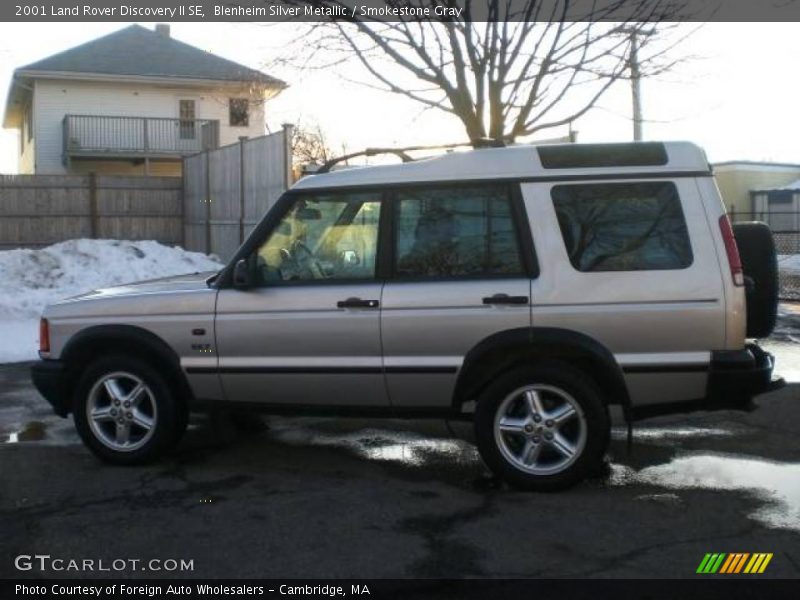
<point x="138" y="51"/>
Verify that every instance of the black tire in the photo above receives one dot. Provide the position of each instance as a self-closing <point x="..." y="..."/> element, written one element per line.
<point x="169" y="417"/>
<point x="588" y="459"/>
<point x="760" y="264"/>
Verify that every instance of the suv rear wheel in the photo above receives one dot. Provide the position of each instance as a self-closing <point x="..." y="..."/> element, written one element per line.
<point x="125" y="411"/>
<point x="542" y="428"/>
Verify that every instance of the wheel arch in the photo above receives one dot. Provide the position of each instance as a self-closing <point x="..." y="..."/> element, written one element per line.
<point x="526" y="345"/>
<point x="128" y="340"/>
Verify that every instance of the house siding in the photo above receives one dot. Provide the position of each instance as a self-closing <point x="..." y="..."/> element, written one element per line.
<point x="53" y="99"/>
<point x="27" y="157"/>
<point x="27" y="164"/>
<point x="159" y="168"/>
<point x="736" y="181"/>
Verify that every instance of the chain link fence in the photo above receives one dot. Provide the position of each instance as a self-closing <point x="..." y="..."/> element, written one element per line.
<point x="785" y="227"/>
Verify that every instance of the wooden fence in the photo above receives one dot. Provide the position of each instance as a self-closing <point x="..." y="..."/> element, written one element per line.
<point x="222" y="195"/>
<point x="37" y="210"/>
<point x="228" y="190"/>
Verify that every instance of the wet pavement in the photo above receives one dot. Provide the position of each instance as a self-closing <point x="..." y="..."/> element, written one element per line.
<point x="307" y="497"/>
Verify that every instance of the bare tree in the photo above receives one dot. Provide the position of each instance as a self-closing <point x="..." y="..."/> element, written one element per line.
<point x="532" y="65"/>
<point x="309" y="145"/>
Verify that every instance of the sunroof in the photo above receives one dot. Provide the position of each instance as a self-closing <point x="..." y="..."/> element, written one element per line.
<point x="643" y="154"/>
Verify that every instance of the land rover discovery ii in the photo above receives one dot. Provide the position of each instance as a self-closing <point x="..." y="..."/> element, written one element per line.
<point x="526" y="288"/>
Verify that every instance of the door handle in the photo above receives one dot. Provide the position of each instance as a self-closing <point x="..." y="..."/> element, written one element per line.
<point x="505" y="299"/>
<point x="357" y="303"/>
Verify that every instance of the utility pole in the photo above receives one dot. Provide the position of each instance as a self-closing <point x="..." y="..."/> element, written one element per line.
<point x="636" y="76"/>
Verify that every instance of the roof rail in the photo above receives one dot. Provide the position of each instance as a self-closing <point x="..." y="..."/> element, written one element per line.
<point x="402" y="153"/>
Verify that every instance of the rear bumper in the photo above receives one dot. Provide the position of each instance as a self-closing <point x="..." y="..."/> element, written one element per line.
<point x="735" y="377"/>
<point x="741" y="374"/>
<point x="51" y="379"/>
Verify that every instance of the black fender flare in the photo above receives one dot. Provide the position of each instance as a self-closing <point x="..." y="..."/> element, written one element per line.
<point x="509" y="348"/>
<point x="127" y="339"/>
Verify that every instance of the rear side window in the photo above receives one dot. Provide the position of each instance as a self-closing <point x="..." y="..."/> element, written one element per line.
<point x="623" y="226"/>
<point x="456" y="232"/>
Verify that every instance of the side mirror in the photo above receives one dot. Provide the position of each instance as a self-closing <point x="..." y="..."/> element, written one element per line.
<point x="241" y="275"/>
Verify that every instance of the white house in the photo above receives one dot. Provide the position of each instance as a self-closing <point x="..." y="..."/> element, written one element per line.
<point x="778" y="206"/>
<point x="738" y="179"/>
<point x="132" y="102"/>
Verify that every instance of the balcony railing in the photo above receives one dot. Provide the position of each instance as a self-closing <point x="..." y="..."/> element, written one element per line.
<point x="97" y="136"/>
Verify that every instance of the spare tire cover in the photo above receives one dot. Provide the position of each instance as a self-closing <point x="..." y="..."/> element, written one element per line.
<point x="760" y="264"/>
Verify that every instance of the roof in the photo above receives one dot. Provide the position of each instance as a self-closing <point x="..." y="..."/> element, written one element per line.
<point x="136" y="52"/>
<point x="514" y="162"/>
<point x="791" y="187"/>
<point x="755" y="164"/>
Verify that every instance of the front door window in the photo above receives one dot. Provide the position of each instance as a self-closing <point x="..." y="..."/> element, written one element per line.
<point x="322" y="237"/>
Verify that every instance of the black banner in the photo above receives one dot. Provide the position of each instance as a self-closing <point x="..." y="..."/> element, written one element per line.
<point x="396" y="10"/>
<point x="708" y="588"/>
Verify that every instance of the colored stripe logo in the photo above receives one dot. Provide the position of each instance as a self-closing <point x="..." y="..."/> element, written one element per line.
<point x="734" y="563"/>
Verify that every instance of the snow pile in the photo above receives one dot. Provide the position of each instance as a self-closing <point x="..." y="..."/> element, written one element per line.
<point x="31" y="279"/>
<point x="789" y="264"/>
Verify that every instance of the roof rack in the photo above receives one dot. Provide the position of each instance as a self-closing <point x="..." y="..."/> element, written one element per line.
<point x="402" y="153"/>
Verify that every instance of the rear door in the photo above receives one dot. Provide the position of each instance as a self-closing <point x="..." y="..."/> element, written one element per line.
<point x="461" y="265"/>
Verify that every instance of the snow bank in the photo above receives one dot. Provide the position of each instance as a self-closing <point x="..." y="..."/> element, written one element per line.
<point x="31" y="279"/>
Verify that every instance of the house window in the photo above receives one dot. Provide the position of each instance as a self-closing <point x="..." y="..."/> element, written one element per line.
<point x="188" y="123"/>
<point x="780" y="197"/>
<point x="239" y="112"/>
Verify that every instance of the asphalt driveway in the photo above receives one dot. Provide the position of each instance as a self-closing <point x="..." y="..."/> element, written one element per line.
<point x="353" y="498"/>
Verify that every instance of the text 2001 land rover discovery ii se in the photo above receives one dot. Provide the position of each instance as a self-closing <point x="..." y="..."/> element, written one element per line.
<point x="528" y="288"/>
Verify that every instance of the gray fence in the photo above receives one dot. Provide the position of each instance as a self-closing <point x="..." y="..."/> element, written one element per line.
<point x="37" y="210"/>
<point x="228" y="190"/>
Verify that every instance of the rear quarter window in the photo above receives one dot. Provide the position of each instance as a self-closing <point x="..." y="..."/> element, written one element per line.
<point x="623" y="226"/>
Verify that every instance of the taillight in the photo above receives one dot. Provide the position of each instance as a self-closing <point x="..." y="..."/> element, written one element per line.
<point x="44" y="336"/>
<point x="732" y="250"/>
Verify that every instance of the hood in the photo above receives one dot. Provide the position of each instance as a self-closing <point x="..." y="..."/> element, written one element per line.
<point x="181" y="294"/>
<point x="176" y="283"/>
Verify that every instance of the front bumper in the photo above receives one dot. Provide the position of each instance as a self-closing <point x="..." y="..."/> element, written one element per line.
<point x="735" y="377"/>
<point x="52" y="380"/>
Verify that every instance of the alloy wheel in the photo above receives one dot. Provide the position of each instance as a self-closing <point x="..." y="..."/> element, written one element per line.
<point x="121" y="411"/>
<point x="540" y="429"/>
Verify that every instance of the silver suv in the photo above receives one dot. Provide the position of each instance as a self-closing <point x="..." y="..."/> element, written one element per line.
<point x="525" y="288"/>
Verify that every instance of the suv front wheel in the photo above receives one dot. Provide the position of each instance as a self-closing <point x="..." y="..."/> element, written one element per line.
<point x="125" y="412"/>
<point x="542" y="428"/>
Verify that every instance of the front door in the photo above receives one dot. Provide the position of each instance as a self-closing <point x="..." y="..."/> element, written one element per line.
<point x="308" y="332"/>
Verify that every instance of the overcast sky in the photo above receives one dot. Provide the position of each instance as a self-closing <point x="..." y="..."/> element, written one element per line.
<point x="739" y="99"/>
